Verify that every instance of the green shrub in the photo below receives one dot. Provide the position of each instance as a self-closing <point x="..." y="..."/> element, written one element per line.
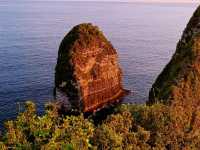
<point x="137" y="127"/>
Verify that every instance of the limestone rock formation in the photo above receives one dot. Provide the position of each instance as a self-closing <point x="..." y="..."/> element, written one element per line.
<point x="179" y="82"/>
<point x="87" y="69"/>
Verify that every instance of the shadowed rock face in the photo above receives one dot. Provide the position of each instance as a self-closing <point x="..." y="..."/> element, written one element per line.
<point x="87" y="69"/>
<point x="179" y="82"/>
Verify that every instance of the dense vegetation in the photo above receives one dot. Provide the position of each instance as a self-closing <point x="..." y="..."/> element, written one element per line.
<point x="128" y="127"/>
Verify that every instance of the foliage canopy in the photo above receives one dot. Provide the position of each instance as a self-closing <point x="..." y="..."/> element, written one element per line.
<point x="128" y="127"/>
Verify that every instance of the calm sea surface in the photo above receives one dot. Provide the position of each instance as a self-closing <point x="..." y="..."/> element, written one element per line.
<point x="145" y="36"/>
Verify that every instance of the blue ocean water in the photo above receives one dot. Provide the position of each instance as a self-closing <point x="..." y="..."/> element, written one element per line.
<point x="144" y="34"/>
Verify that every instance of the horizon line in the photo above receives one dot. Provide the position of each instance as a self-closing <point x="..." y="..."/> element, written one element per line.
<point x="126" y="1"/>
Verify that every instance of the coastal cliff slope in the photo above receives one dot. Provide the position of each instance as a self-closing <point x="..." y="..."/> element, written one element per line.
<point x="87" y="69"/>
<point x="179" y="82"/>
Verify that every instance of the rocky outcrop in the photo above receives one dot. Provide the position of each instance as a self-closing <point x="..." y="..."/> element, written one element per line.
<point x="179" y="82"/>
<point x="87" y="69"/>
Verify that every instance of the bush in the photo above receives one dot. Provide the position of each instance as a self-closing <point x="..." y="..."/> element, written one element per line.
<point x="50" y="131"/>
<point x="137" y="127"/>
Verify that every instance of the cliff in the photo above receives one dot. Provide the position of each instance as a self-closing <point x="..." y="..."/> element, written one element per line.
<point x="179" y="82"/>
<point x="87" y="69"/>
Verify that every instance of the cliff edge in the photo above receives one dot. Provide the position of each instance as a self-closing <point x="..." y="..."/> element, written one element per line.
<point x="179" y="82"/>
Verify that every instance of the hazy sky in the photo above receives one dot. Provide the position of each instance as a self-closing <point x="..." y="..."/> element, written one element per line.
<point x="161" y="1"/>
<point x="176" y="1"/>
<point x="185" y="1"/>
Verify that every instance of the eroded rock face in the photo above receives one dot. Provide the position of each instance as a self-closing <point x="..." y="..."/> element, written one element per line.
<point x="179" y="82"/>
<point x="87" y="69"/>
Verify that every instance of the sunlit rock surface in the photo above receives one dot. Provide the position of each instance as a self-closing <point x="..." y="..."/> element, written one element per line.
<point x="87" y="69"/>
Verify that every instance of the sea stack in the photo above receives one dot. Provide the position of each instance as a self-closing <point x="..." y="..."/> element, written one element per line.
<point x="87" y="69"/>
<point x="179" y="82"/>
